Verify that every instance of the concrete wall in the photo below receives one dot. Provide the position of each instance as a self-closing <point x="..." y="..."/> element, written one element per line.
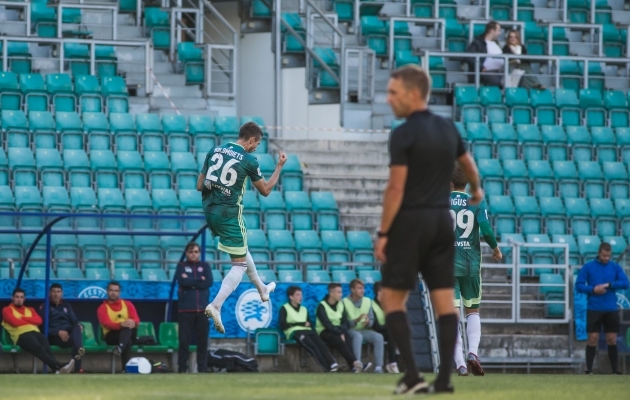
<point x="256" y="77"/>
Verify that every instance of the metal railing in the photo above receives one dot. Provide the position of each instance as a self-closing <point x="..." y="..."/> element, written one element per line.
<point x="549" y="73"/>
<point x="504" y="25"/>
<point x="528" y="296"/>
<point x="48" y="63"/>
<point x="358" y="75"/>
<point x="26" y="10"/>
<point x="439" y="32"/>
<point x="220" y="64"/>
<point x="595" y="32"/>
<point x="112" y="8"/>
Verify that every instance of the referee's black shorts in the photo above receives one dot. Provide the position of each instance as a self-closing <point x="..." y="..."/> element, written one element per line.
<point x="420" y="240"/>
<point x="609" y="320"/>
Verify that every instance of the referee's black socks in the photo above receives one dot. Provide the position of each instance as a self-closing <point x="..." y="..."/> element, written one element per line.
<point x="590" y="357"/>
<point x="613" y="356"/>
<point x="448" y="337"/>
<point x="400" y="332"/>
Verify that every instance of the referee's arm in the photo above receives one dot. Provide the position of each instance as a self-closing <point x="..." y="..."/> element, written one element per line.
<point x="469" y="168"/>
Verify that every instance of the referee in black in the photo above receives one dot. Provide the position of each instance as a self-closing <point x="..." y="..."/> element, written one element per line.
<point x="416" y="232"/>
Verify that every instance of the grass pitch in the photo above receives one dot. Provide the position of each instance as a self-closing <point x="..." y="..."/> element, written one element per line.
<point x="303" y="387"/>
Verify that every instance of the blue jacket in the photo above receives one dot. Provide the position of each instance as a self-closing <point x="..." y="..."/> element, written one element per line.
<point x="193" y="291"/>
<point x="595" y="273"/>
<point x="60" y="317"/>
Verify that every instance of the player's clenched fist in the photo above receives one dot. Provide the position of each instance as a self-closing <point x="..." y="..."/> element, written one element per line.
<point x="282" y="158"/>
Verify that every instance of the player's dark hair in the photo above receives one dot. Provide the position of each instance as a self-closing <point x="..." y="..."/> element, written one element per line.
<point x="331" y="286"/>
<point x="490" y="26"/>
<point x="292" y="289"/>
<point x="192" y="245"/>
<point x="18" y="290"/>
<point x="605" y="247"/>
<point x="355" y="282"/>
<point x="458" y="179"/>
<point x="377" y="287"/>
<point x="113" y="283"/>
<point x="55" y="286"/>
<point x="250" y="130"/>
<point x="414" y="77"/>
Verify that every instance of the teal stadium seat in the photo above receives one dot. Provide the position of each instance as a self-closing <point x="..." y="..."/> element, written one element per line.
<point x="544" y="106"/>
<point x="10" y="95"/>
<point x="467" y="99"/>
<point x="617" y="107"/>
<point x="325" y="205"/>
<point x="604" y="217"/>
<point x="505" y="141"/>
<point x="299" y="206"/>
<point x="579" y="216"/>
<point x="541" y="176"/>
<point x="480" y="137"/>
<point x="604" y="142"/>
<point x="616" y="177"/>
<point x="566" y="178"/>
<point x="33" y="89"/>
<point x="158" y="23"/>
<point x="517" y="100"/>
<point x="114" y="91"/>
<point x="590" y="173"/>
<point x="495" y="109"/>
<point x="502" y="210"/>
<point x="291" y="175"/>
<point x="528" y="213"/>
<point x="516" y="176"/>
<point x="531" y="142"/>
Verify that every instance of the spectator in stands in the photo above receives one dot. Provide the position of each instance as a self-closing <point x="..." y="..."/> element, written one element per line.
<point x="361" y="320"/>
<point x="64" y="329"/>
<point x="599" y="279"/>
<point x="295" y="324"/>
<point x="514" y="46"/>
<point x="119" y="321"/>
<point x="379" y="326"/>
<point x="194" y="278"/>
<point x="21" y="323"/>
<point x="491" y="68"/>
<point x="332" y="325"/>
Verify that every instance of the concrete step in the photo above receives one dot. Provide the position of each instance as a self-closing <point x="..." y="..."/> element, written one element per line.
<point x="171" y="79"/>
<point x="363" y="207"/>
<point x="305" y="146"/>
<point x="96" y="17"/>
<point x="13" y="28"/>
<point x="181" y="103"/>
<point x="178" y="91"/>
<point x="358" y="221"/>
<point x="326" y="157"/>
<point x="352" y="195"/>
<point x="163" y="67"/>
<point x="128" y="32"/>
<point x="186" y="111"/>
<point x="347" y="170"/>
<point x="524" y="346"/>
<point x="326" y="183"/>
<point x="9" y="15"/>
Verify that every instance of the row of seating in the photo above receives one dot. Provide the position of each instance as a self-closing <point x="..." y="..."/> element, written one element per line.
<point x="58" y="93"/>
<point x="538" y="178"/>
<point x="582" y="248"/>
<point x="544" y="107"/>
<point x="549" y="141"/>
<point x="552" y="215"/>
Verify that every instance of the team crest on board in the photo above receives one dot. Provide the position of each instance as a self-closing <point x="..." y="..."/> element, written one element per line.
<point x="251" y="313"/>
<point x="93" y="292"/>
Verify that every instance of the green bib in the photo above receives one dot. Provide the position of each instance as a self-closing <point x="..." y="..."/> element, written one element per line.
<point x="295" y="317"/>
<point x="333" y="316"/>
<point x="354" y="312"/>
<point x="378" y="313"/>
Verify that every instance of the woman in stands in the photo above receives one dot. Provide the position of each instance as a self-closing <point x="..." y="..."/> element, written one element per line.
<point x="514" y="46"/>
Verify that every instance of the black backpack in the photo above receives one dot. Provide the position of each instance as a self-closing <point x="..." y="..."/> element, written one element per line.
<point x="230" y="361"/>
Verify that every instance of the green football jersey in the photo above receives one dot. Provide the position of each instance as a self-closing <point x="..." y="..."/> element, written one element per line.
<point x="466" y="219"/>
<point x="227" y="168"/>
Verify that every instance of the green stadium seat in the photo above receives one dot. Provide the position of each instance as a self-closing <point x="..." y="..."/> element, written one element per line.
<point x="503" y="213"/>
<point x="567" y="178"/>
<point x="156" y="161"/>
<point x="622" y="208"/>
<point x="495" y="109"/>
<point x="554" y="215"/>
<point x="69" y="273"/>
<point x="164" y="199"/>
<point x="27" y="196"/>
<point x="200" y="124"/>
<point x="291" y="175"/>
<point x="574" y="257"/>
<point x="505" y="141"/>
<point x="273" y="207"/>
<point x="555" y="142"/>
<point x="604" y="216"/>
<point x="491" y="174"/>
<point x="343" y="277"/>
<point x="33" y="89"/>
<point x="540" y="255"/>
<point x="280" y="239"/>
<point x="480" y="137"/>
<point x="616" y="175"/>
<point x="121" y="122"/>
<point x="126" y="274"/>
<point x="618" y="243"/>
<point x="110" y="198"/>
<point x="55" y="196"/>
<point x="588" y="246"/>
<point x="83" y="197"/>
<point x="183" y="161"/>
<point x="541" y="176"/>
<point x="592" y="103"/>
<point x="616" y="105"/>
<point x="516" y="176"/>
<point x="47" y="158"/>
<point x="578" y="214"/>
<point x="20" y="158"/>
<point x="10" y="95"/>
<point x="114" y="91"/>
<point x="545" y="108"/>
<point x="604" y="141"/>
<point x="467" y="99"/>
<point x="569" y="106"/>
<point x="517" y="100"/>
<point x="60" y="89"/>
<point x="227" y="126"/>
<point x="528" y="212"/>
<point x="530" y="140"/>
<point x="590" y="174"/>
<point x="148" y="123"/>
<point x="318" y="277"/>
<point x="580" y="142"/>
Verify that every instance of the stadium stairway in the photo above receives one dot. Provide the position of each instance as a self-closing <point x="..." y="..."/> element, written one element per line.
<point x="355" y="171"/>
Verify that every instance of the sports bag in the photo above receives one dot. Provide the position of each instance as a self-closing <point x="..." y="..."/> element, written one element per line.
<point x="230" y="361"/>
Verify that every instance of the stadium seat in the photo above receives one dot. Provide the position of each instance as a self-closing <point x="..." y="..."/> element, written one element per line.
<point x="273" y="208"/>
<point x="495" y="109"/>
<point x="515" y="173"/>
<point x="491" y="174"/>
<point x="590" y="173"/>
<point x="617" y="178"/>
<point x="505" y="141"/>
<point x="588" y="246"/>
<point x="541" y="177"/>
<point x="467" y="99"/>
<point x="480" y="139"/>
<point x="603" y="214"/>
<point x="531" y="142"/>
<point x="579" y="214"/>
<point x="554" y="215"/>
<point x="616" y="105"/>
<point x="544" y="105"/>
<point x="502" y="211"/>
<point x="114" y="91"/>
<point x="567" y="178"/>
<point x="521" y="111"/>
<point x="528" y="212"/>
<point x="580" y="142"/>
<point x="33" y="89"/>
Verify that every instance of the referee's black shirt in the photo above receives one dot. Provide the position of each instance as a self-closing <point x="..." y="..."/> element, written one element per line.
<point x="428" y="145"/>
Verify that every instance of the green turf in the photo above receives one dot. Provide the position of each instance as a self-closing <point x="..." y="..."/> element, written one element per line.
<point x="302" y="387"/>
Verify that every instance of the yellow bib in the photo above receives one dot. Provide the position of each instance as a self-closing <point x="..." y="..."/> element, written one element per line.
<point x="116" y="316"/>
<point x="16" y="331"/>
<point x="295" y="317"/>
<point x="354" y="312"/>
<point x="334" y="316"/>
